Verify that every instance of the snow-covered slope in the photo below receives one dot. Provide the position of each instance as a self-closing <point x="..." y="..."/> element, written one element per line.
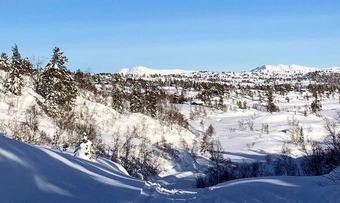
<point x="109" y="123"/>
<point x="38" y="174"/>
<point x="141" y="70"/>
<point x="277" y="189"/>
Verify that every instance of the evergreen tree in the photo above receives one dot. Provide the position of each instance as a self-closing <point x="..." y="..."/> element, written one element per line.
<point x="26" y="67"/>
<point x="271" y="107"/>
<point x="118" y="94"/>
<point x="136" y="99"/>
<point x="118" y="98"/>
<point x="316" y="104"/>
<point x="151" y="99"/>
<point x="4" y="62"/>
<point x="207" y="139"/>
<point x="244" y="105"/>
<point x="57" y="85"/>
<point x="14" y="82"/>
<point x="221" y="103"/>
<point x="239" y="104"/>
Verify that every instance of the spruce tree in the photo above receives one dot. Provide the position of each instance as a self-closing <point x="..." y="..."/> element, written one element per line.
<point x="316" y="104"/>
<point x="118" y="98"/>
<point x="151" y="99"/>
<point x="4" y="62"/>
<point x="271" y="107"/>
<point x="14" y="82"/>
<point x="206" y="139"/>
<point x="26" y="67"/>
<point x="57" y="85"/>
<point x="221" y="103"/>
<point x="118" y="94"/>
<point x="136" y="99"/>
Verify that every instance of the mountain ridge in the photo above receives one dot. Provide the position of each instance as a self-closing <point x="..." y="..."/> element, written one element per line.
<point x="267" y="68"/>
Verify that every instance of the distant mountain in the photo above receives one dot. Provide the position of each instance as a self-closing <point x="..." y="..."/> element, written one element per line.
<point x="281" y="68"/>
<point x="141" y="70"/>
<point x="267" y="69"/>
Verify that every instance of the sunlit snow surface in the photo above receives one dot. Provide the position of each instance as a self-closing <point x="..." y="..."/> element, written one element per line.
<point x="38" y="174"/>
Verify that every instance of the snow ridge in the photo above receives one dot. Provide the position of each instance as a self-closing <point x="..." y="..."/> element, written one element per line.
<point x="141" y="70"/>
<point x="293" y="68"/>
<point x="266" y="69"/>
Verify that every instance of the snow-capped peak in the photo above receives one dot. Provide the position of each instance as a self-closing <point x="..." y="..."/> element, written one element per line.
<point x="141" y="70"/>
<point x="281" y="68"/>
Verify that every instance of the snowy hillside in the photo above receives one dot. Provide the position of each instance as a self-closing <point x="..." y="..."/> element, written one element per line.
<point x="39" y="174"/>
<point x="266" y="69"/>
<point x="281" y="68"/>
<point x="141" y="70"/>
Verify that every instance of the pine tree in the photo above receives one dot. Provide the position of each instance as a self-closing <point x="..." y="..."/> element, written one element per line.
<point x="118" y="94"/>
<point x="151" y="99"/>
<point x="136" y="99"/>
<point x="221" y="103"/>
<point x="271" y="107"/>
<point x="244" y="105"/>
<point x="14" y="82"/>
<point x="4" y="62"/>
<point x="26" y="67"/>
<point x="118" y="99"/>
<point x="57" y="85"/>
<point x="301" y="138"/>
<point x="206" y="139"/>
<point x="316" y="104"/>
<point x="239" y="104"/>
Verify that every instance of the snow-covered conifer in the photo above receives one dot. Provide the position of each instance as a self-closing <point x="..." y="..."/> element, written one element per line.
<point x="151" y="96"/>
<point x="118" y="99"/>
<point x="4" y="62"/>
<point x="136" y="104"/>
<point x="26" y="67"/>
<point x="14" y="81"/>
<point x="271" y="107"/>
<point x="56" y="84"/>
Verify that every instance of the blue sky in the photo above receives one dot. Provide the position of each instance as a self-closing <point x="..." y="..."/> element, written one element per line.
<point x="106" y="35"/>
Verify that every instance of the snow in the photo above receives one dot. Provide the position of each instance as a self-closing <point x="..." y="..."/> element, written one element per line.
<point x="282" y="68"/>
<point x="85" y="149"/>
<point x="38" y="174"/>
<point x="267" y="69"/>
<point x="279" y="68"/>
<point x="277" y="189"/>
<point x="141" y="70"/>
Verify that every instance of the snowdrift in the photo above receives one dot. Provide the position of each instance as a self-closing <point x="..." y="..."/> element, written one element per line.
<point x="38" y="174"/>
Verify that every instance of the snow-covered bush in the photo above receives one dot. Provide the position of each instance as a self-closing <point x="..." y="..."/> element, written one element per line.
<point x="84" y="149"/>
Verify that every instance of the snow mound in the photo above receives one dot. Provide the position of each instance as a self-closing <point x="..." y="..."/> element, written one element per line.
<point x="141" y="70"/>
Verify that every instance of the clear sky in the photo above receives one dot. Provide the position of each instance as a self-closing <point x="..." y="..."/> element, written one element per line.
<point x="106" y="35"/>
